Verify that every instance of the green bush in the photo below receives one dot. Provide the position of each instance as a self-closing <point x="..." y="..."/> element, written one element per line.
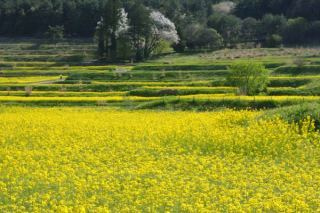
<point x="250" y="78"/>
<point x="298" y="113"/>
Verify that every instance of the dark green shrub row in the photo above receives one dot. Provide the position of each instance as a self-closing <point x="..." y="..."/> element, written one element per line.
<point x="150" y="76"/>
<point x="294" y="70"/>
<point x="268" y="65"/>
<point x="272" y="65"/>
<point x="174" y="92"/>
<point x="182" y="67"/>
<point x="293" y="92"/>
<point x="287" y="82"/>
<point x="204" y="105"/>
<point x="71" y="58"/>
<point x="5" y="66"/>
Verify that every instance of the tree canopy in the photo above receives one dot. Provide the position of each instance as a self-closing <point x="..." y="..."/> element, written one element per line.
<point x="231" y="22"/>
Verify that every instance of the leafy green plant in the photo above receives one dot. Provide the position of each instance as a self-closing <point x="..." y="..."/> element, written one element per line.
<point x="250" y="78"/>
<point x="298" y="113"/>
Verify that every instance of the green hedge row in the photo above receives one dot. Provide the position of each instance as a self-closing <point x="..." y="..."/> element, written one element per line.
<point x="293" y="92"/>
<point x="182" y="67"/>
<point x="287" y="82"/>
<point x="150" y="76"/>
<point x="294" y="70"/>
<point x="176" y="92"/>
<point x="206" y="105"/>
<point x="269" y="65"/>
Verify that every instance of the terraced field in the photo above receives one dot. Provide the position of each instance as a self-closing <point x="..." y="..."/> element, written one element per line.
<point x="110" y="159"/>
<point x="38" y="73"/>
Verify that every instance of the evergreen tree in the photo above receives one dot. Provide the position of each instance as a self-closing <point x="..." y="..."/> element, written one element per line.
<point x="111" y="23"/>
<point x="140" y="28"/>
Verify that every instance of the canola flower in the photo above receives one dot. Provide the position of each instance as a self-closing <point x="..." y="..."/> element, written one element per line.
<point x="100" y="160"/>
<point x="65" y="97"/>
<point x="32" y="79"/>
<point x="71" y="99"/>
<point x="62" y="94"/>
<point x="251" y="98"/>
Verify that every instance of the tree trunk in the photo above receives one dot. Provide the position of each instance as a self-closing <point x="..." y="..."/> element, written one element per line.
<point x="101" y="44"/>
<point x="113" y="47"/>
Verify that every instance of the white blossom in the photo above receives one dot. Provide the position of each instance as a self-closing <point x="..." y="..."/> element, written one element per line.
<point x="163" y="27"/>
<point x="123" y="26"/>
<point x="224" y="7"/>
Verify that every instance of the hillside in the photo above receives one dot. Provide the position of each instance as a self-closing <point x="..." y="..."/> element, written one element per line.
<point x="168" y="134"/>
<point x="36" y="73"/>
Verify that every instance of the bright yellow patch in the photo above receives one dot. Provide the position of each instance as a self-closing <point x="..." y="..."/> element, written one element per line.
<point x="81" y="159"/>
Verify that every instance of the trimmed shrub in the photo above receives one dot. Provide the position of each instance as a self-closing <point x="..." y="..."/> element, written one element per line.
<point x="250" y="78"/>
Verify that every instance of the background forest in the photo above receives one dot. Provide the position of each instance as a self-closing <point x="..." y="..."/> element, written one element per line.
<point x="199" y="24"/>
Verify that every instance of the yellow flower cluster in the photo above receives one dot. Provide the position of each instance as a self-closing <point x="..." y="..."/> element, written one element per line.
<point x="74" y="99"/>
<point x="96" y="98"/>
<point x="99" y="160"/>
<point x="33" y="79"/>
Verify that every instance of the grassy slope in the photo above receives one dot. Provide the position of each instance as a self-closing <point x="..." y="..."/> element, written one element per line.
<point x="37" y="66"/>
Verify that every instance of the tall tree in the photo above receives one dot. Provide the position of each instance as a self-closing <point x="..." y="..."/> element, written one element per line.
<point x="140" y="27"/>
<point x="111" y="24"/>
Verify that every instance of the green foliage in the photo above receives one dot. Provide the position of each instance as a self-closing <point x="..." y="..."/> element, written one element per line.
<point x="173" y="103"/>
<point x="289" y="82"/>
<point x="299" y="62"/>
<point x="191" y="33"/>
<point x="108" y="29"/>
<point x="250" y="78"/>
<point x="210" y="39"/>
<point x="299" y="69"/>
<point x="271" y="25"/>
<point x="124" y="48"/>
<point x="140" y="28"/>
<point x="181" y="67"/>
<point x="313" y="31"/>
<point x="249" y="29"/>
<point x="196" y="80"/>
<point x="162" y="47"/>
<point x="229" y="26"/>
<point x="55" y="33"/>
<point x="308" y="9"/>
<point x="150" y="92"/>
<point x="261" y="19"/>
<point x="298" y="113"/>
<point x="273" y="41"/>
<point x="296" y="30"/>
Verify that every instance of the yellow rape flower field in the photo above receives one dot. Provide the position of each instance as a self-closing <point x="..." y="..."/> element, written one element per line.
<point x="102" y="160"/>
